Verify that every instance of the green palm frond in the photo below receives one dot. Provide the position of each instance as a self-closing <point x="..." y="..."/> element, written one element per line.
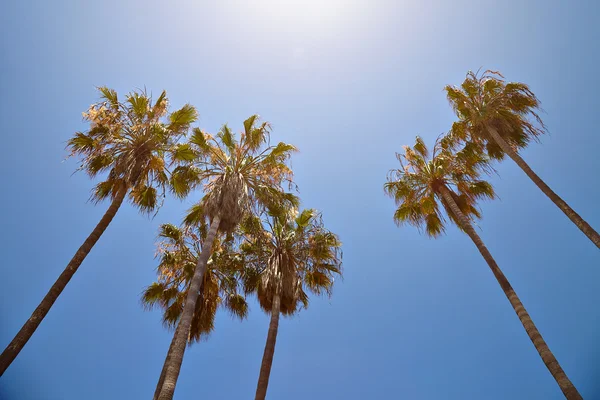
<point x="227" y="137"/>
<point x="255" y="136"/>
<point x="183" y="152"/>
<point x="82" y="143"/>
<point x="110" y="95"/>
<point x="305" y="217"/>
<point x="160" y="106"/>
<point x="420" y="147"/>
<point x="249" y="124"/>
<point x="105" y="189"/>
<point x="282" y="150"/>
<point x="170" y="231"/>
<point x="145" y="197"/>
<point x="140" y="104"/>
<point x="184" y="178"/>
<point x="199" y="139"/>
<point x="195" y="215"/>
<point x="182" y="118"/>
<point x="152" y="295"/>
<point x="99" y="163"/>
<point x="172" y="312"/>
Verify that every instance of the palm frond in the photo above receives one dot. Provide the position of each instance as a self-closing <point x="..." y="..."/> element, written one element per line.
<point x="139" y="102"/>
<point x="227" y="137"/>
<point x="184" y="178"/>
<point x="144" y="197"/>
<point x="195" y="215"/>
<point x="182" y="118"/>
<point x="199" y="139"/>
<point x="183" y="152"/>
<point x="237" y="305"/>
<point x="170" y="231"/>
<point x="110" y="95"/>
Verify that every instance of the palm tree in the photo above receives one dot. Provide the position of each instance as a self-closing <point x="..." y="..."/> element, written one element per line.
<point x="296" y="253"/>
<point x="129" y="141"/>
<point x="178" y="252"/>
<point x="494" y="114"/>
<point x="237" y="178"/>
<point x="449" y="181"/>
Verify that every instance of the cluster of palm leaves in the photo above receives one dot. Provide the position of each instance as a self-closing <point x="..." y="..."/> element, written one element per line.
<point x="495" y="119"/>
<point x="245" y="235"/>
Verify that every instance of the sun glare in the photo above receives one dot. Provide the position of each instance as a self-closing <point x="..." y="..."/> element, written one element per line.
<point x="316" y="14"/>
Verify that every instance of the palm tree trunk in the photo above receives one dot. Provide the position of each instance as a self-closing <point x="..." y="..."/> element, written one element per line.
<point x="556" y="199"/>
<point x="164" y="370"/>
<point x="173" y="365"/>
<point x="542" y="348"/>
<point x="161" y="380"/>
<point x="19" y="341"/>
<point x="267" y="360"/>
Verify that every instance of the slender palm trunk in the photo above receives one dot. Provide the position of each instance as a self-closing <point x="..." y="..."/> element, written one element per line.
<point x="267" y="360"/>
<point x="19" y="341"/>
<point x="161" y="380"/>
<point x="164" y="370"/>
<point x="556" y="199"/>
<point x="542" y="348"/>
<point x="173" y="364"/>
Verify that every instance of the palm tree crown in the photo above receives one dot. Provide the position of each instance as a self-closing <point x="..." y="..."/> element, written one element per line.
<point x="416" y="185"/>
<point x="237" y="176"/>
<point x="293" y="255"/>
<point x="486" y="100"/>
<point x="130" y="141"/>
<point x="178" y="253"/>
<point x="494" y="114"/>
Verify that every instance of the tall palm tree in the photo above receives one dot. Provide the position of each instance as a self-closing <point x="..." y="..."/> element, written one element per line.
<point x="237" y="177"/>
<point x="294" y="254"/>
<point x="495" y="114"/>
<point x="178" y="251"/>
<point x="129" y="141"/>
<point x="425" y="187"/>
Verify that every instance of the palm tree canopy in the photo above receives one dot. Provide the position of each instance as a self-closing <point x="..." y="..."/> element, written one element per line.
<point x="236" y="176"/>
<point x="178" y="252"/>
<point x="486" y="99"/>
<point x="289" y="252"/>
<point x="415" y="186"/>
<point x="129" y="140"/>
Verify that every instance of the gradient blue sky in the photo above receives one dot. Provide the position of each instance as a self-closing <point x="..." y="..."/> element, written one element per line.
<point x="348" y="82"/>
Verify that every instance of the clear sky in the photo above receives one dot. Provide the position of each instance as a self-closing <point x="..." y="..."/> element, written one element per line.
<point x="349" y="83"/>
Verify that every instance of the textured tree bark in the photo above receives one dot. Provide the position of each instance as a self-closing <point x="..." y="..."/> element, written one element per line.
<point x="173" y="365"/>
<point x="19" y="341"/>
<point x="267" y="360"/>
<point x="164" y="370"/>
<point x="542" y="348"/>
<point x="556" y="199"/>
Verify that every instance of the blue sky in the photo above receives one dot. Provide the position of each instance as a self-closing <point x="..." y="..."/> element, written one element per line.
<point x="349" y="83"/>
